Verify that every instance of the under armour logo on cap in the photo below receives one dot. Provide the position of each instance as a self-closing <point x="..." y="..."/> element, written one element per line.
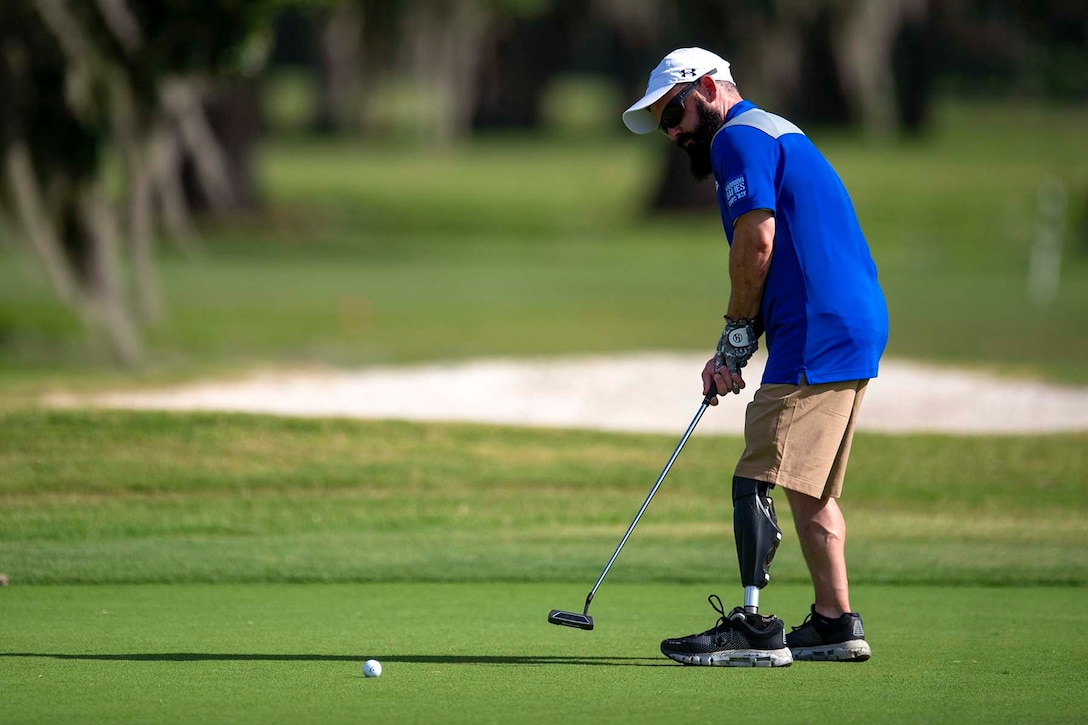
<point x="686" y="72"/>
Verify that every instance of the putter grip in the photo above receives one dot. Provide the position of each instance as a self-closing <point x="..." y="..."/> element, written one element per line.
<point x="719" y="364"/>
<point x="714" y="391"/>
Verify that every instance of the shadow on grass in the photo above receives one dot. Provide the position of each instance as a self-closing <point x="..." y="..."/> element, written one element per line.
<point x="416" y="659"/>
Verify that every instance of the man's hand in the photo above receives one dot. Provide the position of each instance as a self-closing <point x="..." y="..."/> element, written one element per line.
<point x="716" y="377"/>
<point x="738" y="343"/>
<point x="710" y="387"/>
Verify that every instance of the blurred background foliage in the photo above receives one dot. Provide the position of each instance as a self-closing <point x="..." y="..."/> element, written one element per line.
<point x="192" y="186"/>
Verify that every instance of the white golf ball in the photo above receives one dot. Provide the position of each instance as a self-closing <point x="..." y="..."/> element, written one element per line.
<point x="372" y="668"/>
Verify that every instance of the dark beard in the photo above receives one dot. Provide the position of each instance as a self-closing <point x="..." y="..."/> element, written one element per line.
<point x="701" y="139"/>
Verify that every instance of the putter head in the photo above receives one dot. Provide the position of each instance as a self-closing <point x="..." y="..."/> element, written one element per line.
<point x="570" y="619"/>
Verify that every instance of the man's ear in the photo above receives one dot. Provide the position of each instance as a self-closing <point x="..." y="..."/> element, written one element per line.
<point x="709" y="88"/>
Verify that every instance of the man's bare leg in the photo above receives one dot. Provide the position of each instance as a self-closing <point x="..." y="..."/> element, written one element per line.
<point x="821" y="529"/>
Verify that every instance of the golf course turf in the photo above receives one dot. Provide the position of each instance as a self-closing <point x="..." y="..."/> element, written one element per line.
<point x="242" y="568"/>
<point x="206" y="568"/>
<point x="483" y="653"/>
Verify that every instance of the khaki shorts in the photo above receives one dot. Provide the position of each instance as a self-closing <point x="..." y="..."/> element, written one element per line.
<point x="798" y="437"/>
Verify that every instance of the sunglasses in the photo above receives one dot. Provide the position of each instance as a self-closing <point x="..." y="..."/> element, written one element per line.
<point x="673" y="112"/>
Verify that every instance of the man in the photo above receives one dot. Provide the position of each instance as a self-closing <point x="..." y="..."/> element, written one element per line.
<point x="801" y="273"/>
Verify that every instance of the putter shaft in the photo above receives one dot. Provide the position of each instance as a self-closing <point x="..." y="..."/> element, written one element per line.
<point x="583" y="620"/>
<point x="679" y="447"/>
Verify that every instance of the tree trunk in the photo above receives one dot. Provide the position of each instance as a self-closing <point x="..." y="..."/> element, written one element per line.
<point x="218" y="131"/>
<point x="340" y="44"/>
<point x="525" y="55"/>
<point x="913" y="69"/>
<point x="166" y="181"/>
<point x="866" y="43"/>
<point x="445" y="41"/>
<point x="141" y="225"/>
<point x="93" y="290"/>
<point x="104" y="285"/>
<point x="33" y="216"/>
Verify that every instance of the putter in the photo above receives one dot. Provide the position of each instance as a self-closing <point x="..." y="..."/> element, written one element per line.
<point x="583" y="620"/>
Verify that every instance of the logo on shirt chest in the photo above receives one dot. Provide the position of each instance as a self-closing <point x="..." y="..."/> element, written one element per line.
<point x="735" y="190"/>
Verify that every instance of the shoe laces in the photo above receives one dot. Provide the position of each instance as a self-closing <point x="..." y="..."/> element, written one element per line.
<point x="805" y="623"/>
<point x="723" y="618"/>
<point x="811" y="621"/>
<point x="716" y="603"/>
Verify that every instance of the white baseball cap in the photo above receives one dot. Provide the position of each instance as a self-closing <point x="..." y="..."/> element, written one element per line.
<point x="680" y="66"/>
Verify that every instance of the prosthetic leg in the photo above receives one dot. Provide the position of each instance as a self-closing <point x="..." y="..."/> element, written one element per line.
<point x="755" y="528"/>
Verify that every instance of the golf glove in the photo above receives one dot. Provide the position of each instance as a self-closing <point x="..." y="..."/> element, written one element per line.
<point x="738" y="343"/>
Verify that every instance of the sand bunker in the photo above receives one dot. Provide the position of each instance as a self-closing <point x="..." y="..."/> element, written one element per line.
<point x="644" y="392"/>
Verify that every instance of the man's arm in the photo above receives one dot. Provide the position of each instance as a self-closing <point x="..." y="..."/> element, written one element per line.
<point x="749" y="261"/>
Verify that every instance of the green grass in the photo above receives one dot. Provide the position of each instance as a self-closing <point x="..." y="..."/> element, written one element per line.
<point x="245" y="566"/>
<point x="534" y="246"/>
<point x="483" y="653"/>
<point x="145" y="497"/>
<point x="232" y="568"/>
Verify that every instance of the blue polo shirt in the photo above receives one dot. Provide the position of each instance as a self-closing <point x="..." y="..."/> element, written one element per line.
<point x="823" y="308"/>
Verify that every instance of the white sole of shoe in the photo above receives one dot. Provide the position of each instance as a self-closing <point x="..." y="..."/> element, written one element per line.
<point x="855" y="650"/>
<point x="738" y="658"/>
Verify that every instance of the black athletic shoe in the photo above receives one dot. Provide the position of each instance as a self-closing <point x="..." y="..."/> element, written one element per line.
<point x="737" y="640"/>
<point x="821" y="639"/>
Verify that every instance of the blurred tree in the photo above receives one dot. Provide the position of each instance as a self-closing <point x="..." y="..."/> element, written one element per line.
<point x="83" y="81"/>
<point x="478" y="64"/>
<point x="349" y="49"/>
<point x="340" y="44"/>
<point x="444" y="44"/>
<point x="487" y="63"/>
<point x="54" y="127"/>
<point x="1032" y="47"/>
<point x="529" y="47"/>
<point x="361" y="47"/>
<point x="535" y="42"/>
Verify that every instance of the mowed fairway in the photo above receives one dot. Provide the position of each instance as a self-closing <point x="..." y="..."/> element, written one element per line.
<point x="241" y="568"/>
<point x="483" y="653"/>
